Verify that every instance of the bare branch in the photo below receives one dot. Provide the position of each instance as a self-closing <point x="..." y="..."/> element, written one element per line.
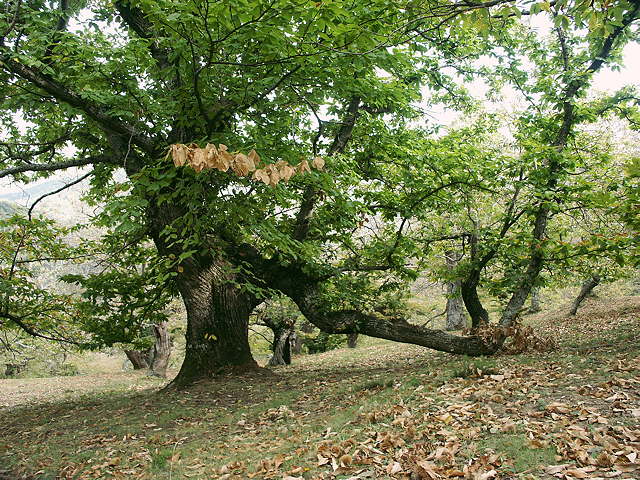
<point x="50" y="167"/>
<point x="27" y="329"/>
<point x="64" y="187"/>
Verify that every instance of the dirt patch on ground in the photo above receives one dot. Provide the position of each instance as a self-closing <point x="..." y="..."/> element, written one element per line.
<point x="26" y="391"/>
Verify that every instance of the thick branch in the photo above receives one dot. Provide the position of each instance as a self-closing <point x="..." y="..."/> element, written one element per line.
<point x="304" y="289"/>
<point x="311" y="194"/>
<point x="396" y="329"/>
<point x="50" y="167"/>
<point x="60" y="92"/>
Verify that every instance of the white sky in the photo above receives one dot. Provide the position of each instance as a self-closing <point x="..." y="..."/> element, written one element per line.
<point x="604" y="81"/>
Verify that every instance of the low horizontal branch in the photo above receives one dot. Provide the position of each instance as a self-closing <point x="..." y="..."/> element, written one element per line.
<point x="51" y="167"/>
<point x="31" y="331"/>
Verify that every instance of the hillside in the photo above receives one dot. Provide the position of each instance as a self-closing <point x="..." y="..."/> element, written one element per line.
<point x="65" y="207"/>
<point x="384" y="410"/>
<point x="7" y="209"/>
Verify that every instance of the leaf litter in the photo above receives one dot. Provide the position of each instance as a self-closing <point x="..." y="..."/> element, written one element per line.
<point x="385" y="411"/>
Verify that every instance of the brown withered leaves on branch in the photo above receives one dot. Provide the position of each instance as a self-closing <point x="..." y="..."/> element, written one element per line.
<point x="219" y="158"/>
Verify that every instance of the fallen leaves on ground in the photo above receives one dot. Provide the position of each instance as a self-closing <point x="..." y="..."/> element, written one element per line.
<point x="569" y="415"/>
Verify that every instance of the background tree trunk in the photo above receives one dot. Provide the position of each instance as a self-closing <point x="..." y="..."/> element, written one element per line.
<point x="296" y="344"/>
<point x="585" y="290"/>
<point x="138" y="359"/>
<point x="13" y="369"/>
<point x="161" y="350"/>
<point x="469" y="291"/>
<point x="281" y="347"/>
<point x="284" y="336"/>
<point x="456" y="319"/>
<point x="535" y="307"/>
<point x="352" y="340"/>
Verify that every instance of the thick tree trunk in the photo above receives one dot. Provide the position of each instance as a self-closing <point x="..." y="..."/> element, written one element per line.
<point x="217" y="337"/>
<point x="585" y="291"/>
<point x="138" y="359"/>
<point x="352" y="340"/>
<point x="161" y="350"/>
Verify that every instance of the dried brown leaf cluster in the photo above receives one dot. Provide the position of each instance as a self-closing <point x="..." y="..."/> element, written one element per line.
<point x="520" y="338"/>
<point x="524" y="339"/>
<point x="220" y="158"/>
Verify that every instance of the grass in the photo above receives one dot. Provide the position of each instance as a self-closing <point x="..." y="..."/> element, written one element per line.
<point x="517" y="452"/>
<point x="375" y="405"/>
<point x="474" y="367"/>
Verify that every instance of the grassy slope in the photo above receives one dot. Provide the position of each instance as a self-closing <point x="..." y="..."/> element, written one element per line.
<point x="381" y="411"/>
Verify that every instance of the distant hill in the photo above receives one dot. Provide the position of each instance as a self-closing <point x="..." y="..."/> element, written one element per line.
<point x="7" y="209"/>
<point x="26" y="193"/>
<point x="65" y="207"/>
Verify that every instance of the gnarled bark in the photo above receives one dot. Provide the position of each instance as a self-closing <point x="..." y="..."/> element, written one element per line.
<point x="138" y="359"/>
<point x="161" y="350"/>
<point x="218" y="309"/>
<point x="217" y="337"/>
<point x="284" y="336"/>
<point x="281" y="347"/>
<point x="157" y="358"/>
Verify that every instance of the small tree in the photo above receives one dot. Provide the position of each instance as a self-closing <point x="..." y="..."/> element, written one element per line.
<point x="280" y="316"/>
<point x="585" y="290"/>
